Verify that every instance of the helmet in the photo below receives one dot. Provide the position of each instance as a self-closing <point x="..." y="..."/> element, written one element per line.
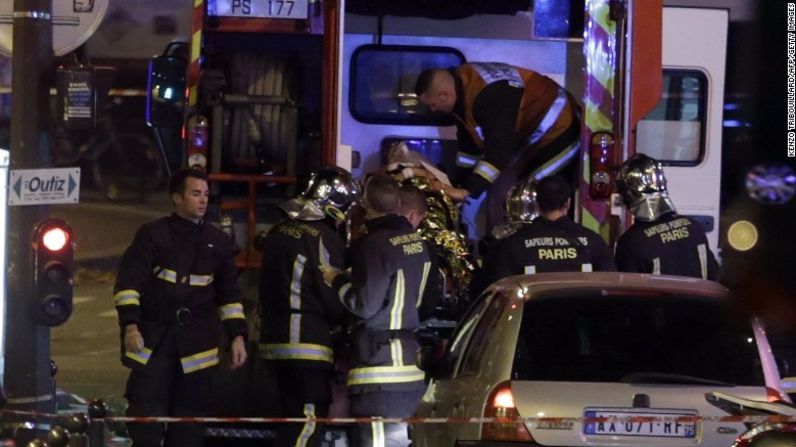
<point x="521" y="205"/>
<point x="330" y="192"/>
<point x="642" y="185"/>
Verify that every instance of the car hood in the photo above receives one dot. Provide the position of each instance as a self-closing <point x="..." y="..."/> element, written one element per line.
<point x="573" y="399"/>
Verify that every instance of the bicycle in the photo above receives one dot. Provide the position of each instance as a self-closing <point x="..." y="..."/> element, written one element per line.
<point x="125" y="166"/>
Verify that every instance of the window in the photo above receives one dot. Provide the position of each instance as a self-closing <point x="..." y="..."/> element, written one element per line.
<point x="557" y="20"/>
<point x="460" y="336"/>
<point x="649" y="339"/>
<point x="674" y="131"/>
<point x="383" y="82"/>
<point x="471" y="361"/>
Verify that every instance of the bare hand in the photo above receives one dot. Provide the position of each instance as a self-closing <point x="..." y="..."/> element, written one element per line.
<point x="329" y="273"/>
<point x="238" y="349"/>
<point x="456" y="194"/>
<point x="133" y="340"/>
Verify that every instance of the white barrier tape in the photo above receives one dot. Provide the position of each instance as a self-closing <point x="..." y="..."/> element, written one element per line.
<point x="443" y="420"/>
<point x="127" y="92"/>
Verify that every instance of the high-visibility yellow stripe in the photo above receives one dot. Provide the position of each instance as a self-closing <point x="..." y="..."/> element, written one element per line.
<point x="397" y="352"/>
<point x="199" y="361"/>
<point x="167" y="275"/>
<point x="309" y="426"/>
<point x="396" y="312"/>
<point x="426" y="269"/>
<point x="127" y="297"/>
<point x="140" y="357"/>
<point x="296" y="351"/>
<point x="200" y="280"/>
<point x="385" y="374"/>
<point x="230" y="311"/>
<point x="487" y="170"/>
<point x="556" y="163"/>
<point x="702" y="250"/>
<point x="377" y="433"/>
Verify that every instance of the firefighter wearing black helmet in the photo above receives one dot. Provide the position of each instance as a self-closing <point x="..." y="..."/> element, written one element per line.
<point x="298" y="311"/>
<point x="660" y="241"/>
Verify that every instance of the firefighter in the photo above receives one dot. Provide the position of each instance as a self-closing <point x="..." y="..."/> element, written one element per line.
<point x="552" y="242"/>
<point x="176" y="283"/>
<point x="414" y="208"/>
<point x="660" y="241"/>
<point x="390" y="265"/>
<point x="511" y="123"/>
<point x="298" y="311"/>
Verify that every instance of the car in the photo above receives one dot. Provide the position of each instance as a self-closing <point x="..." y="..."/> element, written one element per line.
<point x="586" y="347"/>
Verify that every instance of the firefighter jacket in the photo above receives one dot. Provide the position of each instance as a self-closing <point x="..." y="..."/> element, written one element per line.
<point x="501" y="111"/>
<point x="544" y="246"/>
<point x="178" y="276"/>
<point x="670" y="245"/>
<point x="390" y="266"/>
<point x="298" y="310"/>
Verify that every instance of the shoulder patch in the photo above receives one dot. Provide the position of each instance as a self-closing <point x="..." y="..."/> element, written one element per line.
<point x="505" y="230"/>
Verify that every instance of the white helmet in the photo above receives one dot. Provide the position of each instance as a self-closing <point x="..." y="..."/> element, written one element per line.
<point x="642" y="185"/>
<point x="330" y="192"/>
<point x="521" y="204"/>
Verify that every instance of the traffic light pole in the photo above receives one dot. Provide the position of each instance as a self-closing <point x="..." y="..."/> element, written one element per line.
<point x="28" y="382"/>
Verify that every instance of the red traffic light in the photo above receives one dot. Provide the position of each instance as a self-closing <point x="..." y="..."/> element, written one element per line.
<point x="55" y="238"/>
<point x="53" y="235"/>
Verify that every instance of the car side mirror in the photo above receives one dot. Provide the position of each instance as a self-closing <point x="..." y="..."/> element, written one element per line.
<point x="166" y="91"/>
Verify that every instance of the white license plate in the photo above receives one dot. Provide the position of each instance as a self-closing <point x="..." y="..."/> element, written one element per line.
<point x="663" y="429"/>
<point x="270" y="9"/>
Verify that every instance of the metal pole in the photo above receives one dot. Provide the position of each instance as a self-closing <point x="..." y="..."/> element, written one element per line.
<point x="28" y="383"/>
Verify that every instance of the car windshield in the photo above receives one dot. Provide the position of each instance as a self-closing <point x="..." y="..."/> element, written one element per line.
<point x="636" y="339"/>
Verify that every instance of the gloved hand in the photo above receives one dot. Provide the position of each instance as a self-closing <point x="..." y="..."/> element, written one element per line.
<point x="133" y="340"/>
<point x="329" y="273"/>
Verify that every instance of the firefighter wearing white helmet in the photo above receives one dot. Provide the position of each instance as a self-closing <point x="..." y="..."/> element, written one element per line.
<point x="298" y="310"/>
<point x="660" y="241"/>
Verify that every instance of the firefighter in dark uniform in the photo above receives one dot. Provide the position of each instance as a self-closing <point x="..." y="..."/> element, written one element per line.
<point x="177" y="283"/>
<point x="414" y="208"/>
<point x="660" y="241"/>
<point x="552" y="242"/>
<point x="511" y="123"/>
<point x="298" y="310"/>
<point x="390" y="266"/>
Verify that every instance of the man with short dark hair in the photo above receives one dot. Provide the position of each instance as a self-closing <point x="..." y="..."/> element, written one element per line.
<point x="177" y="283"/>
<point x="551" y="243"/>
<point x="390" y="266"/>
<point x="511" y="123"/>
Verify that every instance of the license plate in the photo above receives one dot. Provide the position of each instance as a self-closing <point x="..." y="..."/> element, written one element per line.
<point x="270" y="9"/>
<point x="662" y="429"/>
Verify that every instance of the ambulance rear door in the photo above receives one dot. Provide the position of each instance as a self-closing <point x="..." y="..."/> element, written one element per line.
<point x="684" y="130"/>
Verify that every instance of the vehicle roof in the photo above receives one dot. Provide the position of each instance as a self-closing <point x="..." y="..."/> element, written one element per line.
<point x="531" y="286"/>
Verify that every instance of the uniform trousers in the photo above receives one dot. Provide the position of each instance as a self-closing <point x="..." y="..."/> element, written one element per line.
<point x="162" y="389"/>
<point x="305" y="392"/>
<point x="388" y="404"/>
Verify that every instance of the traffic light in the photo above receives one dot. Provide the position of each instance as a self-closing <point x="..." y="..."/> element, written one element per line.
<point x="53" y="266"/>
